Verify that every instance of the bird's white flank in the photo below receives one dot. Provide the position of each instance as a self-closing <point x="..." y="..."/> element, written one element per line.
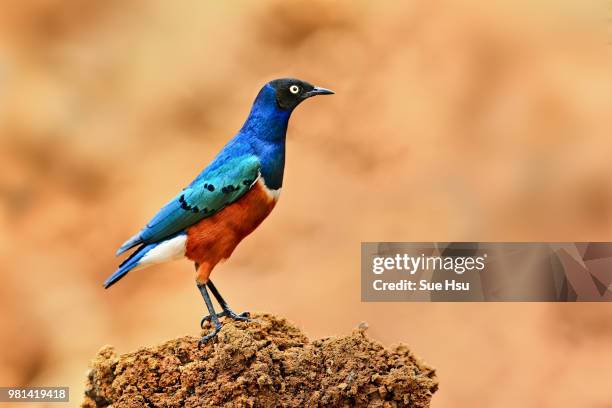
<point x="168" y="250"/>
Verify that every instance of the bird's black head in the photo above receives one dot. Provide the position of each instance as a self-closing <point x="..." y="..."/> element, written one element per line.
<point x="291" y="92"/>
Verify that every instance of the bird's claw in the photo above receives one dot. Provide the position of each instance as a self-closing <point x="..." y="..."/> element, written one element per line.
<point x="207" y="318"/>
<point x="209" y="336"/>
<point x="242" y="317"/>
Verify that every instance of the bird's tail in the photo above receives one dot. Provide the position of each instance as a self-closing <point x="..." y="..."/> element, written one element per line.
<point x="130" y="243"/>
<point x="130" y="263"/>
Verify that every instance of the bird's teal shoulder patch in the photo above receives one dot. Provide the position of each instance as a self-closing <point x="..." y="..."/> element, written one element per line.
<point x="212" y="191"/>
<point x="223" y="186"/>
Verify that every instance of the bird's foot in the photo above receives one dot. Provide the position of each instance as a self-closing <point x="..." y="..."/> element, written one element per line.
<point x="211" y="335"/>
<point x="242" y="317"/>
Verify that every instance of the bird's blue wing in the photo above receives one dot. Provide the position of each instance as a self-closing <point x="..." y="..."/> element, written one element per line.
<point x="211" y="192"/>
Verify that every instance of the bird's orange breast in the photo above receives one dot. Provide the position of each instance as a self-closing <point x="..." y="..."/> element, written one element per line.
<point x="214" y="238"/>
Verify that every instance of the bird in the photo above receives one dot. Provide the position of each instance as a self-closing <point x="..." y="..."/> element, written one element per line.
<point x="226" y="201"/>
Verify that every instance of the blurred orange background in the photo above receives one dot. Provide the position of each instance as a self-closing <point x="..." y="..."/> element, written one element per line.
<point x="485" y="121"/>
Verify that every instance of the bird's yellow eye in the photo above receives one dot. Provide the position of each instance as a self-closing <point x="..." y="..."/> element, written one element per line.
<point x="294" y="89"/>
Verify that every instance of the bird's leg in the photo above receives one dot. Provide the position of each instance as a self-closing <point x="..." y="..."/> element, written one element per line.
<point x="213" y="315"/>
<point x="227" y="311"/>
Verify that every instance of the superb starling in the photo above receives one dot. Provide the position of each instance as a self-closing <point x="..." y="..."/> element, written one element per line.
<point x="227" y="200"/>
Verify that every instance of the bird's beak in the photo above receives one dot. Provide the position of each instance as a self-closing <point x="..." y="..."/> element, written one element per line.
<point x="318" y="91"/>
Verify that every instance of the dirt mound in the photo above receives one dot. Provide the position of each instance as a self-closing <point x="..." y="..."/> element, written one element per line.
<point x="265" y="363"/>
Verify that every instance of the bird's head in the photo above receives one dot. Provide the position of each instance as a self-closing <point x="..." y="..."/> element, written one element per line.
<point x="291" y="92"/>
<point x="273" y="106"/>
